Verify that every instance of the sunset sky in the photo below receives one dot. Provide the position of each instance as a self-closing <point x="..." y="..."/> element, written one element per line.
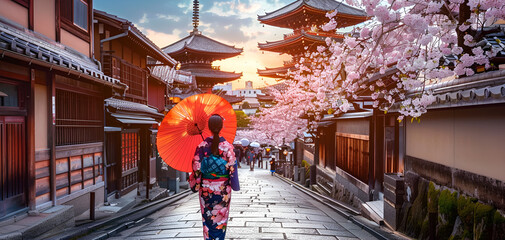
<point x="232" y="22"/>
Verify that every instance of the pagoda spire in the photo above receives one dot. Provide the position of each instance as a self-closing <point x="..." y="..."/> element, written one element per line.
<point x="196" y="12"/>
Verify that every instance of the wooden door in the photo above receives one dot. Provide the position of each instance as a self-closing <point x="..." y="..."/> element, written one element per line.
<point x="130" y="157"/>
<point x="113" y="166"/>
<point x="13" y="178"/>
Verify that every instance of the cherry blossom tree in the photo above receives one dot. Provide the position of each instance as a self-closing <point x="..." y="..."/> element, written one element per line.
<point x="387" y="60"/>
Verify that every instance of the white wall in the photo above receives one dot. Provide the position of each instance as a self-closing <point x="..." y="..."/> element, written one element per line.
<point x="470" y="139"/>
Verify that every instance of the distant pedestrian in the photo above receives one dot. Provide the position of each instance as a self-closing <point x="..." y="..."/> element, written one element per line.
<point x="238" y="155"/>
<point x="214" y="175"/>
<point x="251" y="156"/>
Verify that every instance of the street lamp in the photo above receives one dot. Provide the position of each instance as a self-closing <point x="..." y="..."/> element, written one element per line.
<point x="285" y="152"/>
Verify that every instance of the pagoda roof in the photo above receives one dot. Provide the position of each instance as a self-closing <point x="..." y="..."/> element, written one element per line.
<point x="232" y="98"/>
<point x="290" y="41"/>
<point x="318" y="7"/>
<point x="277" y="72"/>
<point x="199" y="43"/>
<point x="265" y="98"/>
<point x="213" y="75"/>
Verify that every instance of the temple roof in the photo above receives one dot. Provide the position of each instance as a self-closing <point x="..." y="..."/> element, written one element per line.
<point x="318" y="7"/>
<point x="277" y="72"/>
<point x="216" y="75"/>
<point x="289" y="42"/>
<point x="199" y="43"/>
<point x="232" y="98"/>
<point x="265" y="98"/>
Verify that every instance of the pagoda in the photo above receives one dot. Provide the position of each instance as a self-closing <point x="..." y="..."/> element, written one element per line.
<point x="196" y="53"/>
<point x="304" y="17"/>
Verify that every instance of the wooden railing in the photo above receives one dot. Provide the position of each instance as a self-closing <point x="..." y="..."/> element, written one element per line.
<point x="353" y="154"/>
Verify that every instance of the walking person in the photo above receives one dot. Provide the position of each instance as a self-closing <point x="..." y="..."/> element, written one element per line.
<point x="250" y="157"/>
<point x="238" y="154"/>
<point x="214" y="175"/>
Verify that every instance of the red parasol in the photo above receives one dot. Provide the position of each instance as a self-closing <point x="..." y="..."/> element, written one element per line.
<point x="178" y="136"/>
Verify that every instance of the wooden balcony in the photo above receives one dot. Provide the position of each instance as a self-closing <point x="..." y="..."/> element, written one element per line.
<point x="129" y="74"/>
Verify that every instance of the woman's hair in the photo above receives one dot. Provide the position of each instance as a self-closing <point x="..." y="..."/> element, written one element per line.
<point x="215" y="126"/>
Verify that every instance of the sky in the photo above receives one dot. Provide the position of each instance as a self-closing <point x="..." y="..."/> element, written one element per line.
<point x="232" y="22"/>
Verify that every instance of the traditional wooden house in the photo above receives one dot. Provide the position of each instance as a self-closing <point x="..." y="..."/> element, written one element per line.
<point x="132" y="116"/>
<point x="51" y="108"/>
<point x="457" y="145"/>
<point x="196" y="52"/>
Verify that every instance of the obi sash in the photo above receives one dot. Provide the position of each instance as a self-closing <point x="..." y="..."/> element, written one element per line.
<point x="214" y="167"/>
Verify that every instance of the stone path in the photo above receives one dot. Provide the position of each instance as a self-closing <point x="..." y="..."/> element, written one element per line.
<point x="264" y="208"/>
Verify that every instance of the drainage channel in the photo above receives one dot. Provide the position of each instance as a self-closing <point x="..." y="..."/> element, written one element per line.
<point x="347" y="212"/>
<point x="111" y="226"/>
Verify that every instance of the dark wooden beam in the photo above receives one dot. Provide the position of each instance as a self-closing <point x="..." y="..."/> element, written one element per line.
<point x="30" y="15"/>
<point x="30" y="156"/>
<point x="51" y="140"/>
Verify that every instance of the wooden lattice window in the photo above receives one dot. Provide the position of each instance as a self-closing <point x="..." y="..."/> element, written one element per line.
<point x="130" y="156"/>
<point x="79" y="118"/>
<point x="127" y="73"/>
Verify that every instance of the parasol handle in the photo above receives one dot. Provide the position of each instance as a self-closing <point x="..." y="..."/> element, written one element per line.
<point x="199" y="131"/>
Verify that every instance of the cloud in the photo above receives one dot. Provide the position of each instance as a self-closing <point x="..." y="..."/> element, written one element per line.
<point x="144" y="19"/>
<point x="162" y="39"/>
<point x="169" y="17"/>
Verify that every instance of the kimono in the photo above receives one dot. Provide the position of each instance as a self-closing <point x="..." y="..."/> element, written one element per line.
<point x="211" y="178"/>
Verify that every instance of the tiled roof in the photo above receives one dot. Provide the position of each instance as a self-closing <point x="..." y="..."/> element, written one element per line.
<point x="200" y="43"/>
<point x="123" y="105"/>
<point x="324" y="5"/>
<point x="481" y="88"/>
<point x="232" y="98"/>
<point x="275" y="72"/>
<point x="29" y="44"/>
<point x="211" y="73"/>
<point x="296" y="39"/>
<point x="136" y="32"/>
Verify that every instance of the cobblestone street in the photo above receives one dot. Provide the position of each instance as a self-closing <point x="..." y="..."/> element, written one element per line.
<point x="265" y="208"/>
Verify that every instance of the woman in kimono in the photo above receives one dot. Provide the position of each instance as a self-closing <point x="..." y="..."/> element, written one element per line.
<point x="214" y="166"/>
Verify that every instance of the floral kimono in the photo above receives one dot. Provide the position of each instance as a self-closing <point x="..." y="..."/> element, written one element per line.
<point x="211" y="178"/>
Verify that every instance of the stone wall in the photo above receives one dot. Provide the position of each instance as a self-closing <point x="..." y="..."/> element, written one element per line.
<point x="433" y="211"/>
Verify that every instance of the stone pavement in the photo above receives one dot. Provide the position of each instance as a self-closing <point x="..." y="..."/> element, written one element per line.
<point x="264" y="208"/>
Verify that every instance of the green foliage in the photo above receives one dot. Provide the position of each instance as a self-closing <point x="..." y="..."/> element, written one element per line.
<point x="242" y="119"/>
<point x="306" y="165"/>
<point x="466" y="208"/>
<point x="418" y="211"/>
<point x="498" y="218"/>
<point x="245" y="105"/>
<point x="447" y="213"/>
<point x="433" y="195"/>
<point x="483" y="221"/>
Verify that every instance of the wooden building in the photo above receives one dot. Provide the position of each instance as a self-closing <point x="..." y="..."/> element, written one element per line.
<point x="196" y="52"/>
<point x="304" y="17"/>
<point x="132" y="116"/>
<point x="51" y="106"/>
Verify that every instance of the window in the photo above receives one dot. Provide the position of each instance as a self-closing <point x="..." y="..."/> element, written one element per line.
<point x="75" y="17"/>
<point x="81" y="14"/>
<point x="8" y="95"/>
<point x="79" y="118"/>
